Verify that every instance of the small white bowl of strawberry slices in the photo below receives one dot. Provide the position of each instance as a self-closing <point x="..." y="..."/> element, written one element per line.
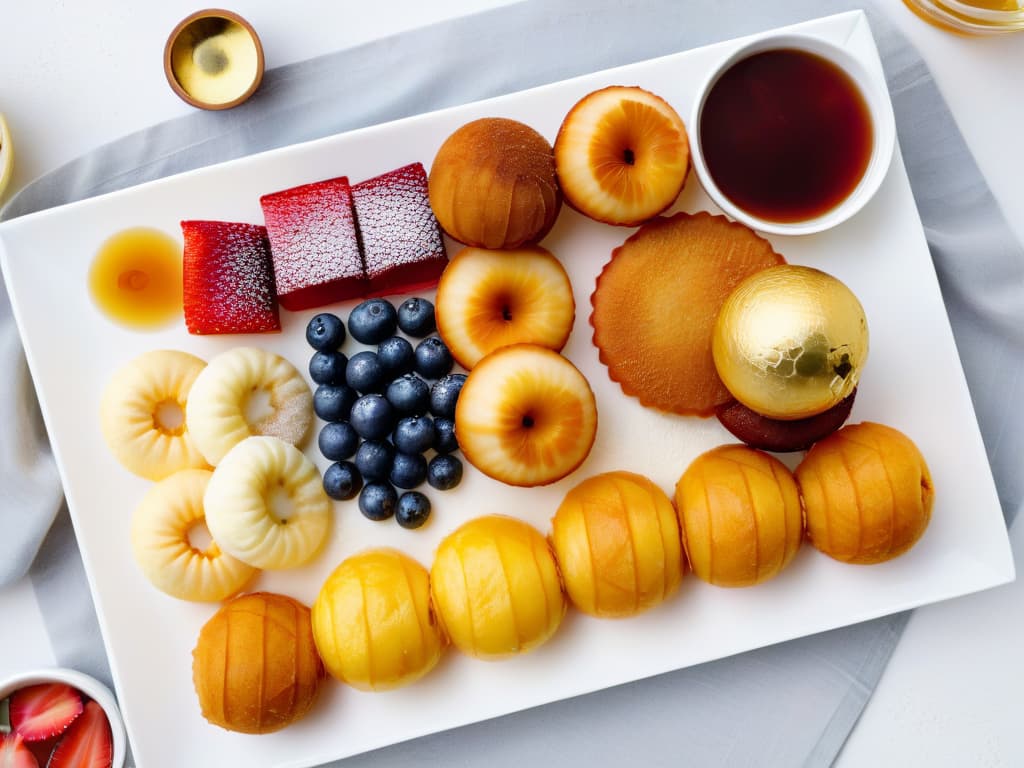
<point x="56" y="718"/>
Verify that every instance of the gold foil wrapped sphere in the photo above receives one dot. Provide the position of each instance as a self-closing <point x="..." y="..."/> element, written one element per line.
<point x="790" y="342"/>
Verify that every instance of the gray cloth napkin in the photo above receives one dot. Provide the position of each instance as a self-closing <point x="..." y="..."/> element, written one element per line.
<point x="790" y="704"/>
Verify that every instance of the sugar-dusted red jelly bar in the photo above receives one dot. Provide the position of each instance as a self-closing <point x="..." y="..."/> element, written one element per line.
<point x="228" y="278"/>
<point x="402" y="246"/>
<point x="313" y="241"/>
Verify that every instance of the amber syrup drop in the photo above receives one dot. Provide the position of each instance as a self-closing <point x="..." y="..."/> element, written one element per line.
<point x="786" y="135"/>
<point x="135" y="278"/>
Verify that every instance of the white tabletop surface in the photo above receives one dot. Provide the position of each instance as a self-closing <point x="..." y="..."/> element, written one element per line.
<point x="951" y="695"/>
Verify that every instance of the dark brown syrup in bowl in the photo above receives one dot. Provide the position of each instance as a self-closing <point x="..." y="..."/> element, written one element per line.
<point x="786" y="135"/>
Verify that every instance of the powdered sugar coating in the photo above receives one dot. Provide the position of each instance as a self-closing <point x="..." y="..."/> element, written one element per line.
<point x="312" y="234"/>
<point x="228" y="278"/>
<point x="402" y="245"/>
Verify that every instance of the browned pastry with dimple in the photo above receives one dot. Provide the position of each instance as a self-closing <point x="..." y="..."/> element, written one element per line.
<point x="493" y="185"/>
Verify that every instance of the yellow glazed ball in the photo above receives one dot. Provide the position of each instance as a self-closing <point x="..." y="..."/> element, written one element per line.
<point x="496" y="587"/>
<point x="740" y="513"/>
<point x="790" y="342"/>
<point x="373" y="624"/>
<point x="617" y="541"/>
<point x="867" y="492"/>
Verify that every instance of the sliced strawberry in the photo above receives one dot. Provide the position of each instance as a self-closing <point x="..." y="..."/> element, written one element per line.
<point x="313" y="241"/>
<point x="88" y="742"/>
<point x="14" y="753"/>
<point x="41" y="711"/>
<point x="402" y="246"/>
<point x="228" y="278"/>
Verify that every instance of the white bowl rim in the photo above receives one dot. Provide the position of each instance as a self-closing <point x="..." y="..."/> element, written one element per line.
<point x="876" y="96"/>
<point x="88" y="685"/>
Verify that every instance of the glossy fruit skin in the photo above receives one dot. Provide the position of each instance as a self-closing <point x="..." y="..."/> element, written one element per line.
<point x="372" y="321"/>
<point x="373" y="624"/>
<point x="409" y="394"/>
<point x="433" y="359"/>
<point x="444" y="394"/>
<point x="867" y="492"/>
<point x="444" y="472"/>
<point x="618" y="545"/>
<point x="374" y="459"/>
<point x="372" y="417"/>
<point x="408" y="470"/>
<point x="445" y="439"/>
<point x="338" y="440"/>
<point x="325" y="332"/>
<point x="413" y="510"/>
<point x="396" y="355"/>
<point x="365" y="373"/>
<point x="740" y="512"/>
<point x="496" y="587"/>
<point x="377" y="501"/>
<point x="342" y="480"/>
<point x="333" y="402"/>
<point x="416" y="317"/>
<point x="414" y="434"/>
<point x="328" y="367"/>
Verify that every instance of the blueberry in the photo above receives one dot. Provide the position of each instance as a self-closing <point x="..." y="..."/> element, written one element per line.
<point x="332" y="402"/>
<point x="342" y="480"/>
<point x="328" y="367"/>
<point x="373" y="417"/>
<point x="338" y="440"/>
<point x="396" y="355"/>
<point x="444" y="436"/>
<point x="377" y="501"/>
<point x="409" y="394"/>
<point x="414" y="434"/>
<point x="373" y="321"/>
<point x="444" y="472"/>
<point x="413" y="509"/>
<point x="408" y="470"/>
<point x="445" y="393"/>
<point x="416" y="318"/>
<point x="325" y="332"/>
<point x="374" y="459"/>
<point x="433" y="360"/>
<point x="365" y="372"/>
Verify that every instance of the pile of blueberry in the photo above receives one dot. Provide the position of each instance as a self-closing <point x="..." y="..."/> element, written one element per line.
<point x="386" y="409"/>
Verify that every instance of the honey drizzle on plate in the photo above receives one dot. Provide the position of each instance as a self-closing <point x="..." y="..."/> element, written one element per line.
<point x="135" y="278"/>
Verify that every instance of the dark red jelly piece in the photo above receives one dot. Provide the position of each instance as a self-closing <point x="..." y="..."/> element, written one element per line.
<point x="313" y="241"/>
<point x="779" y="435"/>
<point x="402" y="246"/>
<point x="227" y="278"/>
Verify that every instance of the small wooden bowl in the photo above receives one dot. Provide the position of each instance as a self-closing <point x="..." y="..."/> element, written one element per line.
<point x="213" y="59"/>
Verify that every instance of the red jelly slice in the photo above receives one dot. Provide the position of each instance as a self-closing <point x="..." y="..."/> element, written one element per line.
<point x="402" y="246"/>
<point x="228" y="278"/>
<point x="313" y="241"/>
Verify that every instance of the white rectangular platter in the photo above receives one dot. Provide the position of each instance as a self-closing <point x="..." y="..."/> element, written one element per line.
<point x="881" y="254"/>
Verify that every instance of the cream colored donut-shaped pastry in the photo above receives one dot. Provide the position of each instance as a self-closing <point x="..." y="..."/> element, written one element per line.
<point x="266" y="505"/>
<point x="160" y="541"/>
<point x="142" y="414"/>
<point x="243" y="392"/>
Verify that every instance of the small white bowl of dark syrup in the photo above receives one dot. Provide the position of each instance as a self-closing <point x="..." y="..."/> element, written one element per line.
<point x="792" y="135"/>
